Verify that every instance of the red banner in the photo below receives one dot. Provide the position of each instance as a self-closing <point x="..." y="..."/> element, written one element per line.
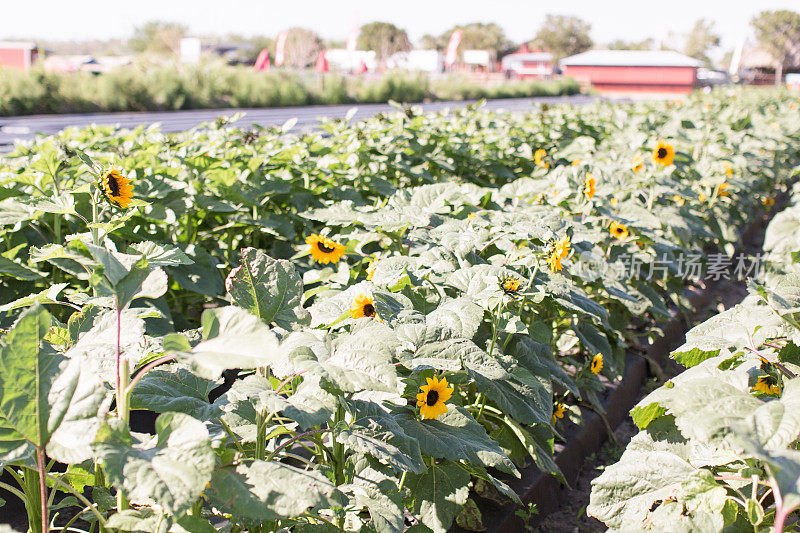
<point x="280" y="48"/>
<point x="452" y="48"/>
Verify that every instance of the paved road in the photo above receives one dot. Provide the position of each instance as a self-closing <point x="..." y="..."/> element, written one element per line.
<point x="24" y="128"/>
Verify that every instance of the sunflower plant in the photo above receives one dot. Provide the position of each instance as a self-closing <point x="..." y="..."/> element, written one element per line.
<point x="395" y="315"/>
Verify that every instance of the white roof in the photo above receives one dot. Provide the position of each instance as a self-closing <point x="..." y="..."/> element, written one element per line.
<point x="529" y="56"/>
<point x="18" y="44"/>
<point x="631" y="58"/>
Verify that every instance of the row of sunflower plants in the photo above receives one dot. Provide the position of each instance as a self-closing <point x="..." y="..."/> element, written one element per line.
<point x="717" y="450"/>
<point x="412" y="305"/>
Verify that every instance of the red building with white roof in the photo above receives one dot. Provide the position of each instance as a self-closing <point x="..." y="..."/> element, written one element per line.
<point x="19" y="55"/>
<point x="526" y="64"/>
<point x="662" y="71"/>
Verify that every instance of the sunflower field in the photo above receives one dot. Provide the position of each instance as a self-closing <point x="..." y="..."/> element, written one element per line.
<point x="375" y="326"/>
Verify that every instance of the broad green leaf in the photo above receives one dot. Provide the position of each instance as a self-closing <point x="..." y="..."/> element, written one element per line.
<point x="261" y="490"/>
<point x="174" y="389"/>
<point x="457" y="436"/>
<point x="171" y="469"/>
<point x="269" y="288"/>
<point x="439" y="495"/>
<point x="232" y="338"/>
<point x="373" y="431"/>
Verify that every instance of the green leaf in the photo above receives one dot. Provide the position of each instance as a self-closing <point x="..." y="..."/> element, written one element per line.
<point x="269" y="288"/>
<point x="232" y="338"/>
<point x="373" y="431"/>
<point x="176" y="389"/>
<point x="171" y="470"/>
<point x="461" y="315"/>
<point x="438" y="495"/>
<point x="17" y="270"/>
<point x="353" y="361"/>
<point x="42" y="389"/>
<point x="261" y="491"/>
<point x="456" y="436"/>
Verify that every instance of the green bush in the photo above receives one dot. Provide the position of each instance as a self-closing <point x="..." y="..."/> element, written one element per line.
<point x="144" y="87"/>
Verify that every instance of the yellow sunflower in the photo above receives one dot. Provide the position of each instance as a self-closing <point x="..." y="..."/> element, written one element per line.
<point x="678" y="199"/>
<point x="722" y="189"/>
<point x="576" y="162"/>
<point x="554" y="260"/>
<point x="597" y="363"/>
<point x="663" y="153"/>
<point x="638" y="164"/>
<point x="768" y="202"/>
<point x="116" y="188"/>
<point x="538" y="158"/>
<point x="619" y="230"/>
<point x="589" y="185"/>
<point x="324" y="250"/>
<point x="767" y="385"/>
<point x="431" y="400"/>
<point x="558" y="412"/>
<point x="509" y="284"/>
<point x="363" y="306"/>
<point x="728" y="170"/>
<point x="701" y="197"/>
<point x="563" y="246"/>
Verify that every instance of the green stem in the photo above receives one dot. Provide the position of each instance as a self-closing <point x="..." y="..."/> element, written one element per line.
<point x="15" y="491"/>
<point x="95" y="231"/>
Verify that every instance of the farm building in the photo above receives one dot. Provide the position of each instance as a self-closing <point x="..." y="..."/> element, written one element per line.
<point x="526" y="64"/>
<point x="661" y="71"/>
<point x="17" y="54"/>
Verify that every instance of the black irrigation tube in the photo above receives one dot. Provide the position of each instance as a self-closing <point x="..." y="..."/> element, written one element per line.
<point x="544" y="489"/>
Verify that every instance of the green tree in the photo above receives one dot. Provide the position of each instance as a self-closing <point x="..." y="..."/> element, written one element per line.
<point x="476" y="36"/>
<point x="778" y="32"/>
<point x="302" y="48"/>
<point x="619" y="44"/>
<point x="384" y="38"/>
<point x="157" y="37"/>
<point x="700" y="40"/>
<point x="563" y="36"/>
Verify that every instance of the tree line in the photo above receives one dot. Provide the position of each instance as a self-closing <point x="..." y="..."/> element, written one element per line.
<point x="777" y="32"/>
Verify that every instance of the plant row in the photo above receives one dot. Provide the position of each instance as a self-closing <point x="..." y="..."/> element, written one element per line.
<point x="140" y="88"/>
<point x="362" y="328"/>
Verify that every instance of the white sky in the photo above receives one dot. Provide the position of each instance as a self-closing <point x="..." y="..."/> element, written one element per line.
<point x="610" y="19"/>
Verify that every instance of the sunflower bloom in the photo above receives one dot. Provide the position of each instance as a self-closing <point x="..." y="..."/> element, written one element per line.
<point x="597" y="363"/>
<point x="117" y="188"/>
<point x="722" y="189"/>
<point x="619" y="230"/>
<point x="663" y="153"/>
<point x="589" y="185"/>
<point x="562" y="246"/>
<point x="538" y="158"/>
<point x="768" y="202"/>
<point x="576" y="162"/>
<point x="638" y="164"/>
<point x="554" y="260"/>
<point x="728" y="170"/>
<point x="363" y="306"/>
<point x="432" y="398"/>
<point x="509" y="284"/>
<point x="324" y="250"/>
<point x="701" y="197"/>
<point x="558" y="412"/>
<point x="767" y="385"/>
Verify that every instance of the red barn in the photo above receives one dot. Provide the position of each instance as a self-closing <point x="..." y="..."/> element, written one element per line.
<point x="525" y="64"/>
<point x="662" y="71"/>
<point x="19" y="55"/>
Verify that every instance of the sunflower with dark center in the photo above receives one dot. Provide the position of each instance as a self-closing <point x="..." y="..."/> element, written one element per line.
<point x="663" y="153"/>
<point x="432" y="398"/>
<point x="509" y="284"/>
<point x="619" y="230"/>
<point x="767" y="385"/>
<point x="363" y="307"/>
<point x="116" y="188"/>
<point x="325" y="250"/>
<point x="597" y="363"/>
<point x="638" y="164"/>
